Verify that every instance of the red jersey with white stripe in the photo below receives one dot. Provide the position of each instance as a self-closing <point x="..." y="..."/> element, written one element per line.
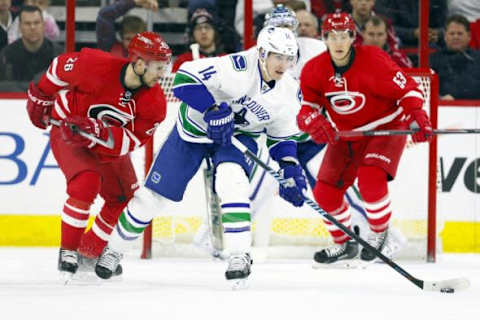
<point x="372" y="92"/>
<point x="89" y="83"/>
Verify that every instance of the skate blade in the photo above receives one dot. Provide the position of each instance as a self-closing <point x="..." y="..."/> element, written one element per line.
<point x="239" y="284"/>
<point x="342" y="264"/>
<point x="65" y="277"/>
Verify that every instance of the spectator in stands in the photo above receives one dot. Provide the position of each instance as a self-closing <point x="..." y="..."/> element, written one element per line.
<point x="362" y="10"/>
<point x="7" y="17"/>
<point x="307" y="24"/>
<point x="260" y="8"/>
<point x="131" y="25"/>
<point x="320" y="8"/>
<point x="470" y="9"/>
<point x="202" y="31"/>
<point x="52" y="31"/>
<point x="375" y="34"/>
<point x="405" y="16"/>
<point x="458" y="66"/>
<point x="30" y="55"/>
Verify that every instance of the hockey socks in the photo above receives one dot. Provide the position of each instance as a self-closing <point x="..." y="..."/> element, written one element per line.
<point x="331" y="199"/>
<point x="372" y="182"/>
<point x="95" y="240"/>
<point x="74" y="221"/>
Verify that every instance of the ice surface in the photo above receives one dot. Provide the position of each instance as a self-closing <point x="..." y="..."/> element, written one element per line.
<point x="164" y="289"/>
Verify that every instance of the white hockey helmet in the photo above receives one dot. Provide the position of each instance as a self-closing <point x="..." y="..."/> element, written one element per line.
<point x="281" y="16"/>
<point x="277" y="40"/>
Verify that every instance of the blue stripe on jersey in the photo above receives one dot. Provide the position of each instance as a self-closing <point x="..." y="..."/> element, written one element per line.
<point x="196" y="95"/>
<point x="235" y="204"/>
<point x="236" y="230"/>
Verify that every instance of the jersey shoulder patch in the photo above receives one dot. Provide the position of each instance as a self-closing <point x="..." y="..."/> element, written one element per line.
<point x="239" y="62"/>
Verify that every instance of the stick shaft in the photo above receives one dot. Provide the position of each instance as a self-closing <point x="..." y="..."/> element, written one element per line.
<point x="312" y="204"/>
<point x="402" y="132"/>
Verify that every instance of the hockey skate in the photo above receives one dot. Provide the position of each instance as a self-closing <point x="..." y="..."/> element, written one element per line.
<point x="67" y="264"/>
<point x="378" y="241"/>
<point x="108" y="264"/>
<point x="337" y="256"/>
<point x="203" y="241"/>
<point x="238" y="270"/>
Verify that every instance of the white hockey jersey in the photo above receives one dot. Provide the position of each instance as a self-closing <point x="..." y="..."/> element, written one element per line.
<point x="307" y="48"/>
<point x="236" y="79"/>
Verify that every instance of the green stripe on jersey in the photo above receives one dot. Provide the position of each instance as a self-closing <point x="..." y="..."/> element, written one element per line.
<point x="187" y="125"/>
<point x="235" y="217"/>
<point x="181" y="78"/>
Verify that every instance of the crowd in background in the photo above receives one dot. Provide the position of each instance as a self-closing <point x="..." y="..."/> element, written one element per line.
<point x="30" y="37"/>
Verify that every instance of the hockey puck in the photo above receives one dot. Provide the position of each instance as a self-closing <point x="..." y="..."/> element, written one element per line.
<point x="447" y="290"/>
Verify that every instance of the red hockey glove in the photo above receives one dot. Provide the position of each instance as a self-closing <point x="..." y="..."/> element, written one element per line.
<point x="312" y="121"/>
<point x="418" y="119"/>
<point x="71" y="125"/>
<point x="39" y="106"/>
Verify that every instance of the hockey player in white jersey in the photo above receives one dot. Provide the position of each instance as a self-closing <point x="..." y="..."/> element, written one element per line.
<point x="261" y="192"/>
<point x="246" y="94"/>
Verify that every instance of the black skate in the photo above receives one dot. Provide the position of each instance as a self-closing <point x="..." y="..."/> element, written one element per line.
<point x="67" y="264"/>
<point x="339" y="255"/>
<point x="108" y="264"/>
<point x="238" y="270"/>
<point x="378" y="241"/>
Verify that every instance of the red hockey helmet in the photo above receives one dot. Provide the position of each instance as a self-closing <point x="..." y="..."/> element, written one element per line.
<point x="149" y="46"/>
<point x="340" y="21"/>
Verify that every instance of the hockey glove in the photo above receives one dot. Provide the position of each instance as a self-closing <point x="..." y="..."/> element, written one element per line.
<point x="39" y="106"/>
<point x="295" y="184"/>
<point x="418" y="119"/>
<point x="220" y="124"/>
<point x="312" y="121"/>
<point x="71" y="125"/>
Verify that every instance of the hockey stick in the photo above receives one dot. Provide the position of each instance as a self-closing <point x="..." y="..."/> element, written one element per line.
<point x="107" y="144"/>
<point x="448" y="286"/>
<point x="402" y="132"/>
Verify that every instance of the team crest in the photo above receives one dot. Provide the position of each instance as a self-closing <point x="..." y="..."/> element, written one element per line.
<point x="346" y="102"/>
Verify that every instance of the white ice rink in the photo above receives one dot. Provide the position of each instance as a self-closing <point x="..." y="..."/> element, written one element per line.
<point x="165" y="289"/>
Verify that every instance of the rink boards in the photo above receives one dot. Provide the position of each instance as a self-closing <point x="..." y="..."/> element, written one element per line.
<point x="32" y="188"/>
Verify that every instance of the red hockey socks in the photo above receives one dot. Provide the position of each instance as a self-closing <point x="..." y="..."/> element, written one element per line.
<point x="372" y="182"/>
<point x="94" y="241"/>
<point x="74" y="221"/>
<point x="82" y="189"/>
<point x="331" y="200"/>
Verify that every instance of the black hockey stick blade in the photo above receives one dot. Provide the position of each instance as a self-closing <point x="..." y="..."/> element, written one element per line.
<point x="368" y="133"/>
<point x="443" y="286"/>
<point x="109" y="143"/>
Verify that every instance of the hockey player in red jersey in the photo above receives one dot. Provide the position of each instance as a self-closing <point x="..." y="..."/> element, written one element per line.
<point x="110" y="98"/>
<point x="361" y="88"/>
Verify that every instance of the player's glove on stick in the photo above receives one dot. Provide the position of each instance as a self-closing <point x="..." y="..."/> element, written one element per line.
<point x="39" y="106"/>
<point x="418" y="119"/>
<point x="220" y="124"/>
<point x="296" y="184"/>
<point x="312" y="121"/>
<point x="71" y="125"/>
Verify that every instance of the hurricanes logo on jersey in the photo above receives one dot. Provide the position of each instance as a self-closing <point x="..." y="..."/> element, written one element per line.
<point x="346" y="102"/>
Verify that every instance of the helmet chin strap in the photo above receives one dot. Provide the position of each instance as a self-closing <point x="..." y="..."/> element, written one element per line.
<point x="263" y="65"/>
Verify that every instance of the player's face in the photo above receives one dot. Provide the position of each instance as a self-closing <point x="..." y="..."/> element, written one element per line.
<point x="457" y="37"/>
<point x="339" y="44"/>
<point x="204" y="35"/>
<point x="154" y="71"/>
<point x="375" y="35"/>
<point x="32" y="27"/>
<point x="277" y="64"/>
